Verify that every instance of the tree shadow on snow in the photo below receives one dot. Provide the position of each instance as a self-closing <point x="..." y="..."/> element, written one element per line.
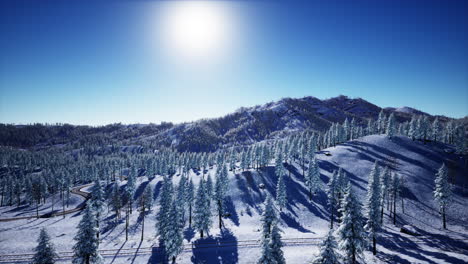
<point x="220" y="249"/>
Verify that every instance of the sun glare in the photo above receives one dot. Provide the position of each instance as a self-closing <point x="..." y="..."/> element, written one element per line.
<point x="196" y="31"/>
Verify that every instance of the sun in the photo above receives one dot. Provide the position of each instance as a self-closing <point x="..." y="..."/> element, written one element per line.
<point x="196" y="30"/>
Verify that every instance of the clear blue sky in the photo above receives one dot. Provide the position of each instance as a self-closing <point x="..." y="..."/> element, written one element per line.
<point x="99" y="63"/>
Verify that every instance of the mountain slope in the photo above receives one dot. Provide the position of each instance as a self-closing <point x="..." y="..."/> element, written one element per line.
<point x="414" y="161"/>
<point x="245" y="126"/>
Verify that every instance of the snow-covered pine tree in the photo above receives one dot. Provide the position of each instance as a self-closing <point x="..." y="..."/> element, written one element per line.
<point x="202" y="212"/>
<point x="384" y="185"/>
<point x="276" y="244"/>
<point x="442" y="192"/>
<point x="331" y="196"/>
<point x="45" y="251"/>
<point x="373" y="223"/>
<point x="209" y="187"/>
<point x="116" y="199"/>
<point x="221" y="188"/>
<point x="413" y="127"/>
<point x="97" y="202"/>
<point x="381" y="122"/>
<point x="173" y="243"/>
<point x="313" y="177"/>
<point x="268" y="220"/>
<point x="281" y="197"/>
<point x="267" y="254"/>
<point x="165" y="202"/>
<point x="391" y="126"/>
<point x="181" y="200"/>
<point x="146" y="202"/>
<point x="327" y="253"/>
<point x="394" y="190"/>
<point x="86" y="247"/>
<point x="189" y="197"/>
<point x="436" y="129"/>
<point x="351" y="234"/>
<point x="130" y="188"/>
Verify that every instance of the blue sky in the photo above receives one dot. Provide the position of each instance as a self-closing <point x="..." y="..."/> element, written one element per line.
<point x="103" y="62"/>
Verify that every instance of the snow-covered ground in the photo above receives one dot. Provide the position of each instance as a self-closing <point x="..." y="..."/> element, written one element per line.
<point x="301" y="221"/>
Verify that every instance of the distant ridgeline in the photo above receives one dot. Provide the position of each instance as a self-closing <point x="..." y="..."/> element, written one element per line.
<point x="332" y="120"/>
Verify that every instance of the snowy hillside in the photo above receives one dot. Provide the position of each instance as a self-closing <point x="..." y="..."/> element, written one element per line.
<point x="245" y="126"/>
<point x="304" y="223"/>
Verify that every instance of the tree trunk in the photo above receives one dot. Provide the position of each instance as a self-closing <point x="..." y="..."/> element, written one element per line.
<point x="394" y="210"/>
<point x="37" y="209"/>
<point x="190" y="214"/>
<point x="126" y="225"/>
<point x="331" y="218"/>
<point x="201" y="233"/>
<point x="381" y="214"/>
<point x="443" y="218"/>
<point x="173" y="259"/>
<point x="219" y="214"/>
<point x="374" y="248"/>
<point x="143" y="226"/>
<point x="63" y="205"/>
<point x="402" y="205"/>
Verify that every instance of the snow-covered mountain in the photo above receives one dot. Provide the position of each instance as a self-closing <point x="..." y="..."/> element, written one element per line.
<point x="245" y="126"/>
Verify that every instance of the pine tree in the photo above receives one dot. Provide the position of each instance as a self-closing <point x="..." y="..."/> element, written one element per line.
<point x="384" y="185"/>
<point x="97" y="202"/>
<point x="394" y="190"/>
<point x="202" y="212"/>
<point x="221" y="188"/>
<point x="373" y="206"/>
<point x="391" y="126"/>
<point x="276" y="244"/>
<point x="351" y="234"/>
<point x="173" y="245"/>
<point x="146" y="202"/>
<point x="86" y="247"/>
<point x="313" y="177"/>
<point x="281" y="198"/>
<point x="116" y="199"/>
<point x="181" y="200"/>
<point x="267" y="254"/>
<point x="331" y="196"/>
<point x="165" y="203"/>
<point x="442" y="192"/>
<point x="130" y="189"/>
<point x="268" y="220"/>
<point x="45" y="251"/>
<point x="436" y="129"/>
<point x="327" y="253"/>
<point x="190" y="190"/>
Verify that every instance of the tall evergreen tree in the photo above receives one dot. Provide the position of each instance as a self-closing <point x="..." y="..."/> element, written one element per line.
<point x="351" y="234"/>
<point x="331" y="196"/>
<point x="281" y="198"/>
<point x="373" y="206"/>
<point x="442" y="192"/>
<point x="313" y="177"/>
<point x="391" y="126"/>
<point x="45" y="251"/>
<point x="165" y="203"/>
<point x="97" y="202"/>
<point x="86" y="247"/>
<point x="221" y="188"/>
<point x="146" y="202"/>
<point x="327" y="253"/>
<point x="190" y="192"/>
<point x="268" y="220"/>
<point x="276" y="244"/>
<point x="202" y="212"/>
<point x="173" y="245"/>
